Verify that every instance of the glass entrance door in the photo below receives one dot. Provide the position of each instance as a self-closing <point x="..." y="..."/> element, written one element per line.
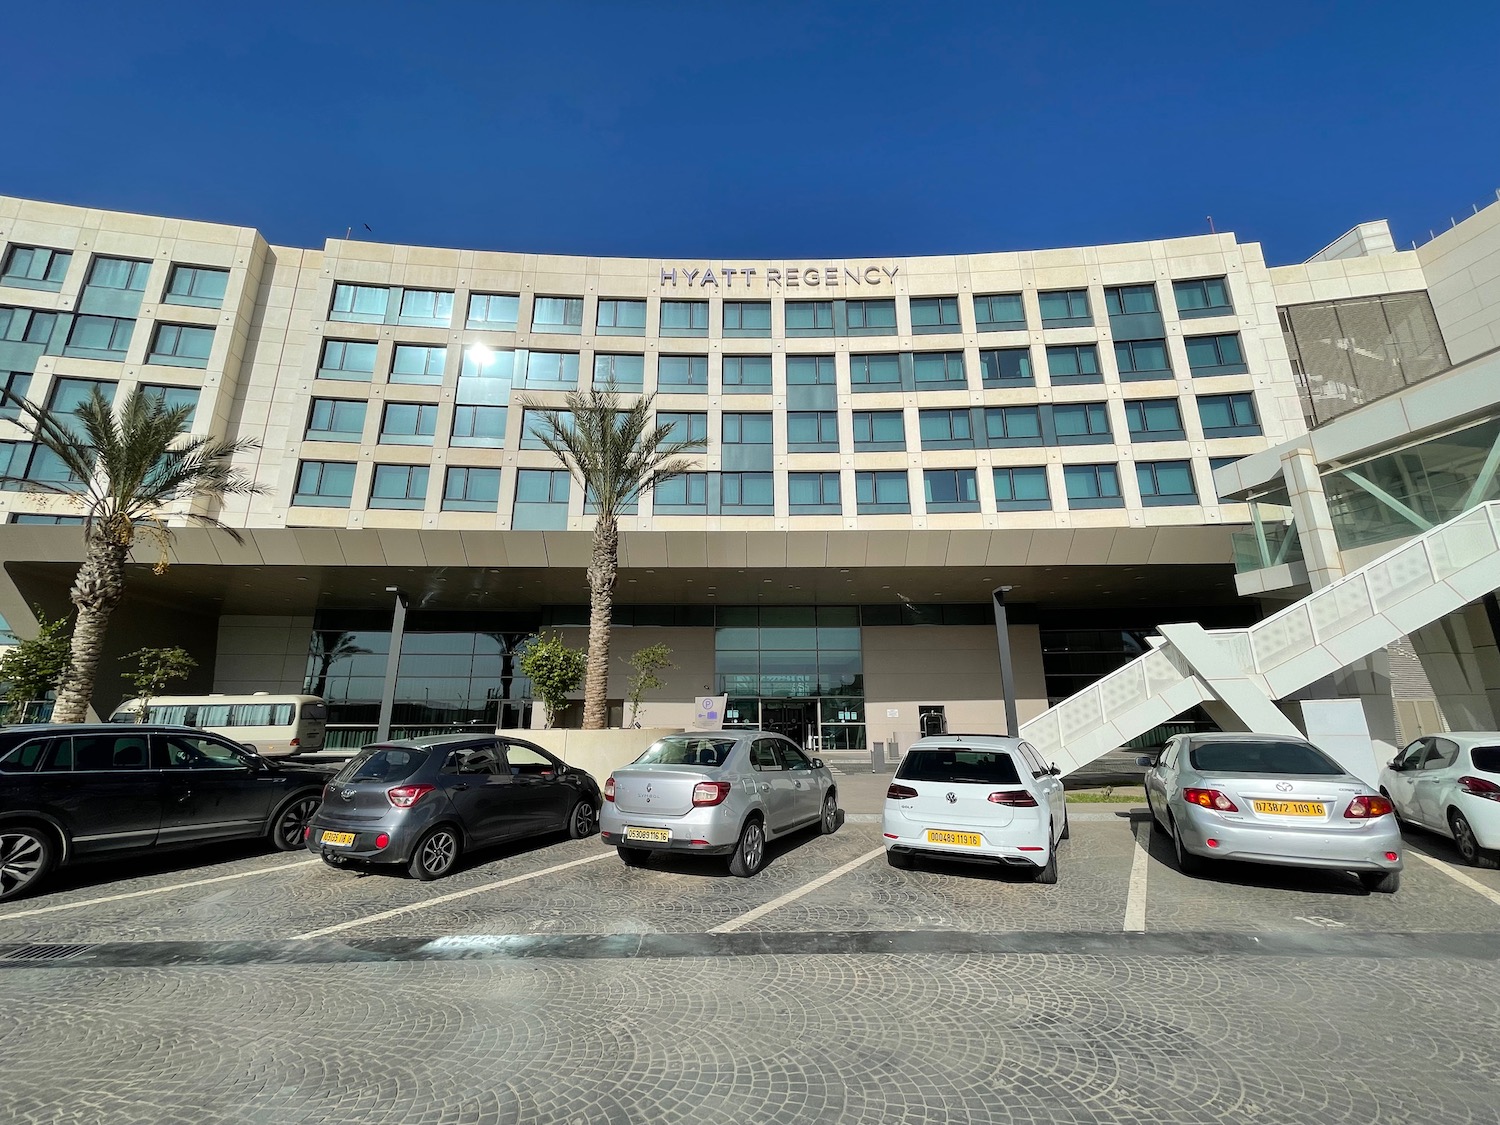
<point x="797" y="719"/>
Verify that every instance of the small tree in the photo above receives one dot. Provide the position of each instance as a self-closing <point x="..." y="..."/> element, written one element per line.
<point x="554" y="670"/>
<point x="646" y="663"/>
<point x="37" y="665"/>
<point x="154" y="669"/>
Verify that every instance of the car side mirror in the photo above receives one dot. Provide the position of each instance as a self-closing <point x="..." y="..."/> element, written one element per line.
<point x="1147" y="761"/>
<point x="1055" y="770"/>
<point x="817" y="763"/>
<point x="1396" y="765"/>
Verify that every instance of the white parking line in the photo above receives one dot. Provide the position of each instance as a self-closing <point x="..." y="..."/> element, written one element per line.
<point x="157" y="890"/>
<point x="1135" y="899"/>
<point x="440" y="899"/>
<point x="1459" y="877"/>
<point x="792" y="896"/>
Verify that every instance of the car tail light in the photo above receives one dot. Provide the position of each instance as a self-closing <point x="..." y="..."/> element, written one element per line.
<point x="382" y="840"/>
<point x="294" y="742"/>
<point x="1015" y="798"/>
<point x="710" y="792"/>
<point x="900" y="793"/>
<point x="1392" y="856"/>
<point x="405" y="796"/>
<point x="1209" y="799"/>
<point x="1479" y="787"/>
<point x="1366" y="807"/>
<point x="306" y="831"/>
<point x="609" y="790"/>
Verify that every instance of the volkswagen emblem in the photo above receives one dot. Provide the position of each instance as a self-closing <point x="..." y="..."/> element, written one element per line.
<point x="1283" y="787"/>
<point x="347" y="794"/>
<point x="952" y="799"/>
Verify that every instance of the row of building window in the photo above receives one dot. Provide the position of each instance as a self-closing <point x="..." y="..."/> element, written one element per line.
<point x="37" y="267"/>
<point x="91" y="336"/>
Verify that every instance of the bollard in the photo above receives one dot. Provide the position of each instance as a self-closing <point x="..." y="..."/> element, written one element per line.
<point x="877" y="757"/>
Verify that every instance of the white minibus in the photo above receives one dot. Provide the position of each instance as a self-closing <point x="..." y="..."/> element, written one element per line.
<point x="274" y="726"/>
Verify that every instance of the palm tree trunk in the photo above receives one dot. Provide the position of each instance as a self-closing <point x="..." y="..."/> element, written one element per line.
<point x="603" y="569"/>
<point x="96" y="591"/>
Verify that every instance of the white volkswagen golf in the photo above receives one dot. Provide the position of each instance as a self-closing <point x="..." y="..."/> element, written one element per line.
<point x="979" y="797"/>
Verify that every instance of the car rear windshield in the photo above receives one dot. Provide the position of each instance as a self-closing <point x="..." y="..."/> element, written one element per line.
<point x="1486" y="758"/>
<point x="985" y="767"/>
<point x="685" y="750"/>
<point x="1263" y="757"/>
<point x="387" y="763"/>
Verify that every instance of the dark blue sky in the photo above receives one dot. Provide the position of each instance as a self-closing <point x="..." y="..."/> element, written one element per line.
<point x="760" y="129"/>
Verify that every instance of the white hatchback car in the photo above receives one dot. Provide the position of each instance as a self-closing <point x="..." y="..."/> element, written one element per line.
<point x="1450" y="783"/>
<point x="979" y="797"/>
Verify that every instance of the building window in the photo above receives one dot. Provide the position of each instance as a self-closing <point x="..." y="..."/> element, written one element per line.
<point x="399" y="486"/>
<point x="1142" y="359"/>
<point x="1154" y="419"/>
<point x="535" y="426"/>
<point x="69" y="394"/>
<point x="559" y="314"/>
<point x="199" y="286"/>
<point x="682" y="373"/>
<point x="353" y="360"/>
<point x="123" y="274"/>
<point x="939" y="371"/>
<point x="1205" y="296"/>
<point x="747" y="318"/>
<point x="471" y="490"/>
<point x="1022" y="489"/>
<point x="174" y="397"/>
<point x="1081" y="423"/>
<point x="945" y="429"/>
<point x="13" y="388"/>
<point x="747" y="429"/>
<point x="495" y="311"/>
<point x="494" y="366"/>
<point x="39" y="518"/>
<point x="324" y="484"/>
<point x="881" y="493"/>
<point x="870" y="318"/>
<point x="26" y="326"/>
<point x="813" y="494"/>
<point x="551" y="371"/>
<point x="481" y="426"/>
<point x="427" y="306"/>
<point x="541" y="500"/>
<point x="625" y="372"/>
<point x="1073" y="363"/>
<point x="336" y="419"/>
<point x="363" y="303"/>
<point x="684" y="318"/>
<point x="934" y="314"/>
<point x="35" y="267"/>
<point x="1065" y="308"/>
<point x="408" y="423"/>
<point x="746" y="494"/>
<point x="618" y="317"/>
<point x="1215" y="355"/>
<point x="1130" y="300"/>
<point x="1006" y="367"/>
<point x="950" y="490"/>
<point x="181" y="345"/>
<point x="418" y="363"/>
<point x="810" y="370"/>
<point x="810" y="318"/>
<point x="999" y="312"/>
<point x="1165" y="483"/>
<point x="684" y="425"/>
<point x="879" y="431"/>
<point x="747" y="374"/>
<point x="1093" y="486"/>
<point x="812" y="431"/>
<point x="682" y="495"/>
<point x="1228" y="416"/>
<point x="875" y="372"/>
<point x="99" y="337"/>
<point x="1009" y="426"/>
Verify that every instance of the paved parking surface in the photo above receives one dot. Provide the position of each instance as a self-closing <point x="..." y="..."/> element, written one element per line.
<point x="551" y="983"/>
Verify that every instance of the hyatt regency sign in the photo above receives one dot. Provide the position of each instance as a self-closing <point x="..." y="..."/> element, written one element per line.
<point x="782" y="277"/>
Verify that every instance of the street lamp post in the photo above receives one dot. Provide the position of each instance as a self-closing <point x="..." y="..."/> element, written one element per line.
<point x="392" y="665"/>
<point x="1007" y="670"/>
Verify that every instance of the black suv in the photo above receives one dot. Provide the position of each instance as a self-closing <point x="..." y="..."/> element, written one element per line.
<point x="78" y="792"/>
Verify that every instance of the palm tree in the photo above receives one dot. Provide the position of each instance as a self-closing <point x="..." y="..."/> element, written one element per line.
<point x="328" y="649"/>
<point x="616" y="452"/>
<point x="123" y="472"/>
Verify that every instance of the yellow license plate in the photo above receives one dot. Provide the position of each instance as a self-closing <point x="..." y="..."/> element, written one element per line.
<point x="962" y="839"/>
<point x="337" y="839"/>
<point x="1291" y="808"/>
<point x="659" y="835"/>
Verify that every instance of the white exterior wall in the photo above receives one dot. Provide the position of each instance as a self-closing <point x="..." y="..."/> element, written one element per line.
<point x="1462" y="267"/>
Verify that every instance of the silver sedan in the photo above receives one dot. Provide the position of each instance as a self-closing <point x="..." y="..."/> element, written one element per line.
<point x="1263" y="798"/>
<point x="716" y="793"/>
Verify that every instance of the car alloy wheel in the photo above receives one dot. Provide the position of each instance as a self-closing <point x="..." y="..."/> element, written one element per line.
<point x="750" y="852"/>
<point x="435" y="855"/>
<point x="25" y="855"/>
<point x="292" y="823"/>
<point x="830" y="822"/>
<point x="581" y="822"/>
<point x="1467" y="843"/>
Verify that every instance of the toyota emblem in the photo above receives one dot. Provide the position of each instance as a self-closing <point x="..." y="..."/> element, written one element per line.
<point x="1283" y="787"/>
<point x="347" y="794"/>
<point x="952" y="799"/>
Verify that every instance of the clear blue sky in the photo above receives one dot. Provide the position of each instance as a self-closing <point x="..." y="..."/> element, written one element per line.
<point x="746" y="129"/>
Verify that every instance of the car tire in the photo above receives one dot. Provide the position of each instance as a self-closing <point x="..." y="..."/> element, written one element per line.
<point x="290" y="822"/>
<point x="26" y="855"/>
<point x="1467" y="843"/>
<point x="634" y="857"/>
<point x="1047" y="875"/>
<point x="750" y="850"/>
<point x="435" y="854"/>
<point x="832" y="817"/>
<point x="583" y="820"/>
<point x="904" y="861"/>
<point x="1189" y="863"/>
<point x="1067" y="829"/>
<point x="1381" y="882"/>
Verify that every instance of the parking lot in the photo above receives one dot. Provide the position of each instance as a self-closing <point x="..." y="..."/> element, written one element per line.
<point x="551" y="982"/>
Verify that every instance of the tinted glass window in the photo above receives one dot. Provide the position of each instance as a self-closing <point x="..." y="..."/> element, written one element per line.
<point x="1262" y="757"/>
<point x="1444" y="754"/>
<point x="679" y="750"/>
<point x="526" y="762"/>
<point x="763" y="755"/>
<point x="24" y="758"/>
<point x="795" y="759"/>
<point x="109" y="752"/>
<point x="987" y="767"/>
<point x="385" y="764"/>
<point x="187" y="753"/>
<point x="59" y="756"/>
<point x="1486" y="758"/>
<point x="472" y="760"/>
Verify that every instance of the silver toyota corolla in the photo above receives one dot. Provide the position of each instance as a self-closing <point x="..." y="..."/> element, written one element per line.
<point x="716" y="793"/>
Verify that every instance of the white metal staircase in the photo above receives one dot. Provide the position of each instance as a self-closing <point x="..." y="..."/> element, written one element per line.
<point x="1422" y="580"/>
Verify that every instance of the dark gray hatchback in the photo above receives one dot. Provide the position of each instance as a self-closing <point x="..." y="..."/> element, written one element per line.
<point x="422" y="802"/>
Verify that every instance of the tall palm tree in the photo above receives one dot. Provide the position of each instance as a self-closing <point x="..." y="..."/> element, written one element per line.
<point x="616" y="451"/>
<point x="123" y="472"/>
<point x="328" y="649"/>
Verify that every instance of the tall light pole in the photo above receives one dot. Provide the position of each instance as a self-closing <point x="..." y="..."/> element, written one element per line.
<point x="1007" y="670"/>
<point x="392" y="665"/>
